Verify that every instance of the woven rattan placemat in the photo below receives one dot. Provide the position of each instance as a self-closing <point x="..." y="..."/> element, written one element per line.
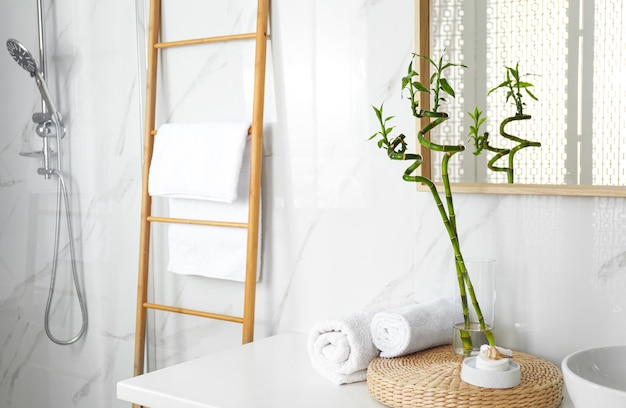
<point x="432" y="378"/>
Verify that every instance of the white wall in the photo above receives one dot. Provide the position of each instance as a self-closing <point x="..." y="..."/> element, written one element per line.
<point x="341" y="229"/>
<point x="92" y="73"/>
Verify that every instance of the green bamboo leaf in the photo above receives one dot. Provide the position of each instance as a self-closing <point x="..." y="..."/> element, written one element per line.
<point x="531" y="94"/>
<point x="427" y="59"/>
<point x="379" y="112"/>
<point x="445" y="86"/>
<point x="524" y="85"/>
<point x="450" y="64"/>
<point x="502" y="85"/>
<point x="514" y="73"/>
<point x="420" y="87"/>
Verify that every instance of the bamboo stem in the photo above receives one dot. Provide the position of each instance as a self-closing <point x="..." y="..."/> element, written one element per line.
<point x="523" y="143"/>
<point x="396" y="150"/>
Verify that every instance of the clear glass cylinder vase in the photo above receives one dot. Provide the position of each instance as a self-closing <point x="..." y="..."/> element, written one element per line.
<point x="482" y="274"/>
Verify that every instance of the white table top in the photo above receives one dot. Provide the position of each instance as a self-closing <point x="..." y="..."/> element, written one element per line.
<point x="273" y="372"/>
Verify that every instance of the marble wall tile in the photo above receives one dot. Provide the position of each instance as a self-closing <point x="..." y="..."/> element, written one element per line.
<point x="92" y="75"/>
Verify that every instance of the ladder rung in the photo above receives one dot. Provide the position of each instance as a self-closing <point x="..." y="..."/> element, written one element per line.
<point x="154" y="131"/>
<point x="205" y="40"/>
<point x="217" y="316"/>
<point x="198" y="222"/>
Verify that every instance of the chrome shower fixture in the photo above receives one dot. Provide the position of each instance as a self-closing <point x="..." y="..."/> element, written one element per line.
<point x="49" y="122"/>
<point x="22" y="56"/>
<point x="25" y="59"/>
<point x="50" y="125"/>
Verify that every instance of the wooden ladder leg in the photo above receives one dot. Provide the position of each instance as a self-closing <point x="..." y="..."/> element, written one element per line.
<point x="256" y="160"/>
<point x="144" y="233"/>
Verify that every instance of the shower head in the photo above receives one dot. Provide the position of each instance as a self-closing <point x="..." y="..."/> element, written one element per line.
<point x="22" y="56"/>
<point x="25" y="59"/>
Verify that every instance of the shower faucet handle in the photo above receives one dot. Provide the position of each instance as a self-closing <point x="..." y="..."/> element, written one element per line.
<point x="40" y="117"/>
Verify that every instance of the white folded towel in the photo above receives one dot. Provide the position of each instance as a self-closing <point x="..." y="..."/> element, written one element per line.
<point x="213" y="252"/>
<point x="340" y="349"/>
<point x="411" y="328"/>
<point x="198" y="160"/>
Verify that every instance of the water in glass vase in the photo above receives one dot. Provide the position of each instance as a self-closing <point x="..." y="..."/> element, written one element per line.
<point x="476" y="334"/>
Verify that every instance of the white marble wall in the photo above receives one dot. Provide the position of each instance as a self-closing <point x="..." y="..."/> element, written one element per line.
<point x="341" y="229"/>
<point x="92" y="73"/>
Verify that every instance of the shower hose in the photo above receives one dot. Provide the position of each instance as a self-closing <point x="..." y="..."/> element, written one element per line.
<point x="62" y="198"/>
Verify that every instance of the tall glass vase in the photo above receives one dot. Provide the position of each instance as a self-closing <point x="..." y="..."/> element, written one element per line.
<point x="483" y="277"/>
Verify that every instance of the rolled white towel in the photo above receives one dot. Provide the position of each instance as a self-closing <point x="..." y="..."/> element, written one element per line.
<point x="411" y="328"/>
<point x="340" y="349"/>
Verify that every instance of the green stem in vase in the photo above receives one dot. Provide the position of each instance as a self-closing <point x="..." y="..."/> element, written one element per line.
<point x="396" y="150"/>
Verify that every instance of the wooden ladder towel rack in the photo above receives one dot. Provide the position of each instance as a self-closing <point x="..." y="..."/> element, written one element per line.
<point x="252" y="225"/>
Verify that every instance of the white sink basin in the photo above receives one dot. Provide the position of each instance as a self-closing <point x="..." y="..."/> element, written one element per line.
<point x="596" y="377"/>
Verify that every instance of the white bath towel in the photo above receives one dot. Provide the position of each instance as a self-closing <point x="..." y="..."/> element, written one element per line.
<point x="411" y="328"/>
<point x="340" y="349"/>
<point x="198" y="160"/>
<point x="213" y="252"/>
